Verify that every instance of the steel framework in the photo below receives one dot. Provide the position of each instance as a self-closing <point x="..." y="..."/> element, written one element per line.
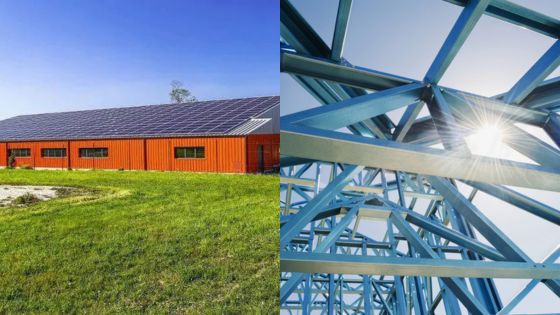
<point x="375" y="220"/>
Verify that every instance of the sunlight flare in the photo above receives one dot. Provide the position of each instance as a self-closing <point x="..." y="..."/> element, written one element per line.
<point x="487" y="140"/>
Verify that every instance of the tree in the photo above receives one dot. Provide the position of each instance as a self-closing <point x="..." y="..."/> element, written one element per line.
<point x="179" y="94"/>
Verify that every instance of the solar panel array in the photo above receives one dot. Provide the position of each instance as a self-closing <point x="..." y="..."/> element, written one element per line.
<point x="188" y="119"/>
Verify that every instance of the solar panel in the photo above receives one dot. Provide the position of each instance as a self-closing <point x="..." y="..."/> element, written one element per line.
<point x="190" y="119"/>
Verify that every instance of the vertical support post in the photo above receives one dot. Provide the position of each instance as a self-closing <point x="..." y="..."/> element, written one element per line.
<point x="399" y="289"/>
<point x="340" y="27"/>
<point x="307" y="294"/>
<point x="366" y="284"/>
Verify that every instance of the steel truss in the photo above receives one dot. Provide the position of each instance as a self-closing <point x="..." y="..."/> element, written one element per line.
<point x="427" y="248"/>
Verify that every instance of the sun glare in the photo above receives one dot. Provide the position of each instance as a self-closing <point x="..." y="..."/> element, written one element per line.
<point x="487" y="141"/>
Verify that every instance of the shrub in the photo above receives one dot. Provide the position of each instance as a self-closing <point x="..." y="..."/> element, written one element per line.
<point x="11" y="161"/>
<point x="26" y="199"/>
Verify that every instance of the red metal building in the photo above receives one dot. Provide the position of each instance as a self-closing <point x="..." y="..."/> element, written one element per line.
<point x="233" y="136"/>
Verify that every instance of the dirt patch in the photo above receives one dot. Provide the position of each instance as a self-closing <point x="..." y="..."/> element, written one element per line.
<point x="11" y="195"/>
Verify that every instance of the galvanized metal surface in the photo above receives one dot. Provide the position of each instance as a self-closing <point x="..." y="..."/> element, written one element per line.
<point x="427" y="249"/>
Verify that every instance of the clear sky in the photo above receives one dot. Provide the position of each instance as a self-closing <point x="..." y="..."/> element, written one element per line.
<point x="403" y="37"/>
<point x="61" y="55"/>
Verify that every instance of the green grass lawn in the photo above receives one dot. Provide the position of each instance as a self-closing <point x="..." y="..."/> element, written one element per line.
<point x="146" y="243"/>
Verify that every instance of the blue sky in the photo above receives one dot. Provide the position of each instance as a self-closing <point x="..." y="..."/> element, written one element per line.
<point x="403" y="37"/>
<point x="67" y="55"/>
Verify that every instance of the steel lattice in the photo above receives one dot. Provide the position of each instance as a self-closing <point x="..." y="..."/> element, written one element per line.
<point x="431" y="249"/>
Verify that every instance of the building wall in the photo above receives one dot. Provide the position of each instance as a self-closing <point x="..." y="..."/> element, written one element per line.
<point x="3" y="157"/>
<point x="273" y="126"/>
<point x="271" y="152"/>
<point x="222" y="154"/>
<point x="125" y="154"/>
<point x="35" y="160"/>
<point x="233" y="156"/>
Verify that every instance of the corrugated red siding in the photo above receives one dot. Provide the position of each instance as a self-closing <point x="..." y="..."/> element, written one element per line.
<point x="222" y="154"/>
<point x="23" y="161"/>
<point x="123" y="154"/>
<point x="3" y="157"/>
<point x="271" y="150"/>
<point x="232" y="155"/>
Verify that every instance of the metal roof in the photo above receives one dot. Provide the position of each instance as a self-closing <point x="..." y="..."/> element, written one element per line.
<point x="206" y="118"/>
<point x="250" y="126"/>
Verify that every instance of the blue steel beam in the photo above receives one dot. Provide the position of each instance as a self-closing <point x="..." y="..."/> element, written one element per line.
<point x="325" y="69"/>
<point x="488" y="229"/>
<point x="326" y="145"/>
<point x="298" y="221"/>
<point x="453" y="236"/>
<point x="356" y="109"/>
<point x="454" y="284"/>
<point x="446" y="126"/>
<point x="332" y="82"/>
<point x="299" y="34"/>
<point x="531" y="146"/>
<point x="474" y="114"/>
<point x="530" y="286"/>
<point x="342" y="18"/>
<point x="546" y="96"/>
<point x="423" y="132"/>
<point x="405" y="266"/>
<point x="470" y="110"/>
<point x="519" y="200"/>
<point x="406" y="121"/>
<point x="399" y="293"/>
<point x="483" y="288"/>
<point x="367" y="294"/>
<point x="516" y="14"/>
<point x="475" y="217"/>
<point x="483" y="106"/>
<point x="424" y="223"/>
<point x="552" y="128"/>
<point x="538" y="72"/>
<point x="456" y="38"/>
<point x="335" y="233"/>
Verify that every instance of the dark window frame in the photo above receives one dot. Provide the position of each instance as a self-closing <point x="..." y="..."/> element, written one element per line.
<point x="27" y="150"/>
<point x="190" y="153"/>
<point x="98" y="153"/>
<point x="48" y="153"/>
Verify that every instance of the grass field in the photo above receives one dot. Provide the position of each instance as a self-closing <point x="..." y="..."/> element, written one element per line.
<point x="145" y="243"/>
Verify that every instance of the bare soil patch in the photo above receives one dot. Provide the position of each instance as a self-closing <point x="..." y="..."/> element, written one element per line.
<point x="20" y="195"/>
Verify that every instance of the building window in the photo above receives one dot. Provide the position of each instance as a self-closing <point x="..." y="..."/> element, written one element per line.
<point x="56" y="153"/>
<point x="94" y="152"/>
<point x="189" y="153"/>
<point x="19" y="152"/>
